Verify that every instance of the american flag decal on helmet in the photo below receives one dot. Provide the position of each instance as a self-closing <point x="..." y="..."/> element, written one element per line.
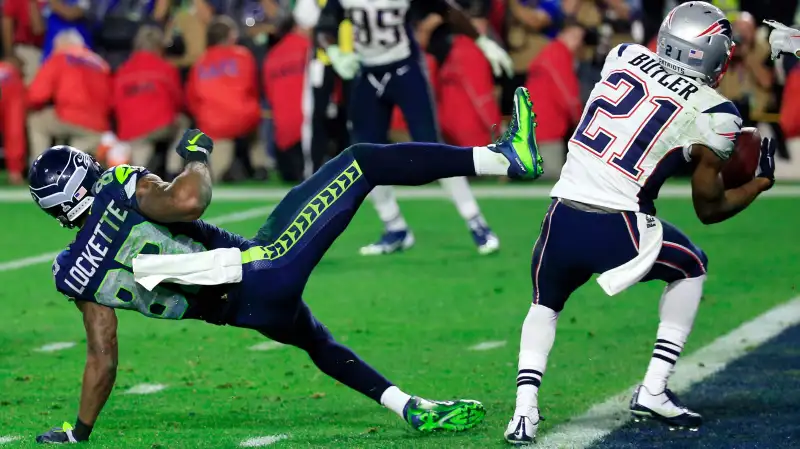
<point x="80" y="193"/>
<point x="721" y="26"/>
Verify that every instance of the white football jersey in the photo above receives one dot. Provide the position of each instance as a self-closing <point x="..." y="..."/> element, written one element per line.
<point x="637" y="129"/>
<point x="381" y="34"/>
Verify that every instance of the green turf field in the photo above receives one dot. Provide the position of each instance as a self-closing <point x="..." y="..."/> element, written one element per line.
<point x="413" y="316"/>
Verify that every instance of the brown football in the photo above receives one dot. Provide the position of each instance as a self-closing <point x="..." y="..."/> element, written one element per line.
<point x="741" y="167"/>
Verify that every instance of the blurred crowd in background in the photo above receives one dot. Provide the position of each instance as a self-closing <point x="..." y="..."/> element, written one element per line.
<point x="122" y="78"/>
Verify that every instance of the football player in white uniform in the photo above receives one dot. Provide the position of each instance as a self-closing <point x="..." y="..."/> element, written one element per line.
<point x="388" y="70"/>
<point x="650" y="116"/>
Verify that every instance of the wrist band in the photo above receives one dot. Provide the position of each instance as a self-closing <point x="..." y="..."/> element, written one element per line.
<point x="197" y="156"/>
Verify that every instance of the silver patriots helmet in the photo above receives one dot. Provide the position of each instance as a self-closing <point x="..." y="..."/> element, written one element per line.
<point x="61" y="181"/>
<point x="696" y="40"/>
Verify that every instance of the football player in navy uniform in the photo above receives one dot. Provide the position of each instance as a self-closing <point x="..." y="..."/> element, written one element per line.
<point x="140" y="246"/>
<point x="388" y="70"/>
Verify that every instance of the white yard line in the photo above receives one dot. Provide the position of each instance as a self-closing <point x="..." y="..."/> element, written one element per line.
<point x="146" y="389"/>
<point x="27" y="261"/>
<point x="59" y="346"/>
<point x="267" y="346"/>
<point x="263" y="441"/>
<point x="231" y="194"/>
<point x="8" y="439"/>
<point x="234" y="217"/>
<point x="487" y="345"/>
<point x="605" y="417"/>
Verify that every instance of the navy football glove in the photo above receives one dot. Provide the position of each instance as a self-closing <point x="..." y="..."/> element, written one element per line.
<point x="195" y="146"/>
<point x="766" y="161"/>
<point x="58" y="435"/>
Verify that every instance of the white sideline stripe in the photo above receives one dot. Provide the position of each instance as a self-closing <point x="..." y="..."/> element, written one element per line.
<point x="487" y="345"/>
<point x="59" y="346"/>
<point x="605" y="417"/>
<point x="267" y="346"/>
<point x="263" y="441"/>
<point x="234" y="217"/>
<point x="8" y="439"/>
<point x="230" y="194"/>
<point x="146" y="389"/>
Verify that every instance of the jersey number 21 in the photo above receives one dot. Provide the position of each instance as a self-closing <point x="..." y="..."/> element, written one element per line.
<point x="621" y="95"/>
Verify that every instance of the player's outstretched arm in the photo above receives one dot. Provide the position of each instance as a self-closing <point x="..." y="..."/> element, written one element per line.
<point x="102" y="358"/>
<point x="187" y="197"/>
<point x="712" y="202"/>
<point x="99" y="373"/>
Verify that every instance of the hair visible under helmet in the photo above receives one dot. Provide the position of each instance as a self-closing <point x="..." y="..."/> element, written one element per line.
<point x="696" y="40"/>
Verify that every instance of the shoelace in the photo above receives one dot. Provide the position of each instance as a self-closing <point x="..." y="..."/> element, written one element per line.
<point x="508" y="133"/>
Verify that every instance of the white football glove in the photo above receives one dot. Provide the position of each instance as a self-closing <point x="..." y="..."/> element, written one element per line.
<point x="345" y="64"/>
<point x="783" y="39"/>
<point x="497" y="57"/>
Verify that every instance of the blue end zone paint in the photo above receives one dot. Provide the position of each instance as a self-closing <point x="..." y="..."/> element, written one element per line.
<point x="753" y="403"/>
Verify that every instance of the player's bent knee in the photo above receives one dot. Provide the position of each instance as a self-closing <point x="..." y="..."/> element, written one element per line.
<point x="360" y="151"/>
<point x="554" y="302"/>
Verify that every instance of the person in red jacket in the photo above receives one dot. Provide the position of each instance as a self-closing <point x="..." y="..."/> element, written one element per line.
<point x="77" y="82"/>
<point x="23" y="33"/>
<point x="12" y="119"/>
<point x="790" y="107"/>
<point x="467" y="104"/>
<point x="148" y="97"/>
<point x="555" y="90"/>
<point x="284" y="78"/>
<point x="222" y="92"/>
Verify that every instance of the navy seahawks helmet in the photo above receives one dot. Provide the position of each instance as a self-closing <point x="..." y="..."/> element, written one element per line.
<point x="61" y="181"/>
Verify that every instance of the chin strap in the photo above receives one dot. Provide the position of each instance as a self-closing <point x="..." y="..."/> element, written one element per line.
<point x="78" y="210"/>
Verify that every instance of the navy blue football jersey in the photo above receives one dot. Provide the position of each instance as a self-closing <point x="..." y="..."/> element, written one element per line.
<point x="97" y="266"/>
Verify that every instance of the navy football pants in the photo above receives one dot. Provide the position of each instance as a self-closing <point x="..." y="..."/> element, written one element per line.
<point x="302" y="228"/>
<point x="375" y="93"/>
<point x="574" y="244"/>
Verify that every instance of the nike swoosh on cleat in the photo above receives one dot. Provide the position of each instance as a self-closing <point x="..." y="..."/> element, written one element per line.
<point x="194" y="139"/>
<point x="520" y="430"/>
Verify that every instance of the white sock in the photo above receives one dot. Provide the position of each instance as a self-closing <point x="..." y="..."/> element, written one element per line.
<point x="395" y="400"/>
<point x="538" y="335"/>
<point x="677" y="312"/>
<point x="388" y="210"/>
<point x="489" y="163"/>
<point x="459" y="190"/>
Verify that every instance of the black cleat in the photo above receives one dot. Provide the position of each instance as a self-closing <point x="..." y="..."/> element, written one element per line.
<point x="664" y="407"/>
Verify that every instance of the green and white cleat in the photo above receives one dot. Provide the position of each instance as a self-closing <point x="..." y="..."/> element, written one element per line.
<point x="518" y="143"/>
<point x="429" y="416"/>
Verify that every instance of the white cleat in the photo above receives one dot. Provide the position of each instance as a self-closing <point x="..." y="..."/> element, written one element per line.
<point x="390" y="242"/>
<point x="521" y="430"/>
<point x="486" y="240"/>
<point x="490" y="245"/>
<point x="664" y="407"/>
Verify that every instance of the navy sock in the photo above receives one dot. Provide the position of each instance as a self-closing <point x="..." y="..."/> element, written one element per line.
<point x="344" y="365"/>
<point x="331" y="357"/>
<point x="412" y="163"/>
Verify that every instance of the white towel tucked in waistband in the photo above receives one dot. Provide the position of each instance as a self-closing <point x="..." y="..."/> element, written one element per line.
<point x="215" y="267"/>
<point x="651" y="236"/>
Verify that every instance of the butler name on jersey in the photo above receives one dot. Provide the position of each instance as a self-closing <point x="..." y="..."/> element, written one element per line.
<point x="637" y="130"/>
